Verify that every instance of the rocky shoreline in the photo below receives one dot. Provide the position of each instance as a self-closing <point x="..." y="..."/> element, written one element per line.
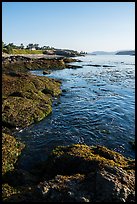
<point x="25" y="63"/>
<point x="75" y="173"/>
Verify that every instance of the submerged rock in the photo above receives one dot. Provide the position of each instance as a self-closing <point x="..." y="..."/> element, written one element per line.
<point x="98" y="65"/>
<point x="108" y="66"/>
<point x="93" y="65"/>
<point x="132" y="143"/>
<point x="73" y="66"/>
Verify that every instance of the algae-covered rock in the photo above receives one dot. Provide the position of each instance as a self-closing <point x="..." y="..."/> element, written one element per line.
<point x="81" y="173"/>
<point x="18" y="193"/>
<point x="11" y="149"/>
<point x="24" y="64"/>
<point x="8" y="191"/>
<point x="21" y="112"/>
<point x="26" y="82"/>
<point x="27" y="98"/>
<point x="80" y="158"/>
<point x="62" y="189"/>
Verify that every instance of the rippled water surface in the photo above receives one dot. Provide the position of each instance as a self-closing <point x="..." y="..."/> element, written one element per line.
<point x="97" y="107"/>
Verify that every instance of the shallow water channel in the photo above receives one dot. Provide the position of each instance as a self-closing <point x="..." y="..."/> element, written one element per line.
<point x="97" y="107"/>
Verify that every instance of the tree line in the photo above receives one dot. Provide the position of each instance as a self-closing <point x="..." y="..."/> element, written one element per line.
<point x="11" y="48"/>
<point x="8" y="48"/>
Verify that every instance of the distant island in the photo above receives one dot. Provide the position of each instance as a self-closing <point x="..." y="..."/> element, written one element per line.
<point x="127" y="52"/>
<point x="123" y="52"/>
<point x="101" y="53"/>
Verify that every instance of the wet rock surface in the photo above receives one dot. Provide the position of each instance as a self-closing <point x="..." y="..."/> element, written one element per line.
<point x="11" y="149"/>
<point x="27" y="98"/>
<point x="73" y="66"/>
<point x="75" y="173"/>
<point x="46" y="72"/>
<point x="99" y="186"/>
<point x="88" y="174"/>
<point x="24" y="64"/>
<point x="81" y="173"/>
<point x="98" y="65"/>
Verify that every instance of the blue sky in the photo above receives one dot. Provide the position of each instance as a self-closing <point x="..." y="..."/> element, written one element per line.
<point x="86" y="26"/>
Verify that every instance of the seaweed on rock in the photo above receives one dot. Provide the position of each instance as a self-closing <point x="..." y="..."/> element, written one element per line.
<point x="25" y="100"/>
<point x="81" y="173"/>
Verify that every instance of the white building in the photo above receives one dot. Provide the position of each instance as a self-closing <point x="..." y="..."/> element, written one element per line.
<point x="33" y="48"/>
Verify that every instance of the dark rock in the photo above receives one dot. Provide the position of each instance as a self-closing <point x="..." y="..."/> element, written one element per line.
<point x="67" y="53"/>
<point x="46" y="72"/>
<point x="93" y="65"/>
<point x="64" y="90"/>
<point x="20" y="176"/>
<point x="78" y="60"/>
<point x="49" y="52"/>
<point x="16" y="74"/>
<point x="132" y="143"/>
<point x="108" y="66"/>
<point x="68" y="60"/>
<point x="80" y="173"/>
<point x="98" y="65"/>
<point x="18" y="94"/>
<point x="73" y="66"/>
<point x="99" y="186"/>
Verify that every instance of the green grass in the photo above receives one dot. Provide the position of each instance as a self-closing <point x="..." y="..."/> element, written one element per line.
<point x="18" y="51"/>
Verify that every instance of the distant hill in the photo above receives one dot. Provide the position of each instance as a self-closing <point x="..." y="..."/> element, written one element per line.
<point x="102" y="53"/>
<point x="120" y="52"/>
<point x="126" y="52"/>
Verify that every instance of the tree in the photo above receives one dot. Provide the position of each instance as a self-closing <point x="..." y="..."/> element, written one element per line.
<point x="3" y="45"/>
<point x="13" y="46"/>
<point x="9" y="49"/>
<point x="30" y="46"/>
<point x="36" y="46"/>
<point x="21" y="46"/>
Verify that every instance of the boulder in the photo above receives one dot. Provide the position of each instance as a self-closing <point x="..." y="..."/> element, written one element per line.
<point x="81" y="173"/>
<point x="77" y="173"/>
<point x="46" y="72"/>
<point x="27" y="98"/>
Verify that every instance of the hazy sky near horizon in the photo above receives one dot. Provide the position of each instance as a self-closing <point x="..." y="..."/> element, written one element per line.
<point x="86" y="26"/>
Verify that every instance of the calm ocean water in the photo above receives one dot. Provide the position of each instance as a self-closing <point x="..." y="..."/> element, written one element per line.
<point x="96" y="108"/>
